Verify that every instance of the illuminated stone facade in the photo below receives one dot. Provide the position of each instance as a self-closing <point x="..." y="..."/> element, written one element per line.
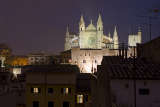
<point x="38" y="59"/>
<point x="91" y="37"/>
<point x="134" y="39"/>
<point x="90" y="45"/>
<point x="88" y="59"/>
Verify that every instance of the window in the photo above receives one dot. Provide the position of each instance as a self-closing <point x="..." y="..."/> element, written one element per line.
<point x="50" y="90"/>
<point x="84" y="61"/>
<point x="35" y="90"/>
<point x="65" y="90"/>
<point x="65" y="104"/>
<point x="86" y="98"/>
<point x="50" y="104"/>
<point x="35" y="104"/>
<point x="80" y="98"/>
<point x="143" y="91"/>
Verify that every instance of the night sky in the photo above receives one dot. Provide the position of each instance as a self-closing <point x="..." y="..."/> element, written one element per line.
<point x="40" y="25"/>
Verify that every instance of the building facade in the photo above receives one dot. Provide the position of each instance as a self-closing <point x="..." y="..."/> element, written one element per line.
<point x="134" y="39"/>
<point x="150" y="50"/>
<point x="127" y="83"/>
<point x="91" y="37"/>
<point x="88" y="59"/>
<point x="90" y="45"/>
<point x="57" y="86"/>
<point x="38" y="59"/>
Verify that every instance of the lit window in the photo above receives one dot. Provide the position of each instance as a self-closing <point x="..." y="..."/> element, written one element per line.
<point x="35" y="90"/>
<point x="66" y="90"/>
<point x="80" y="98"/>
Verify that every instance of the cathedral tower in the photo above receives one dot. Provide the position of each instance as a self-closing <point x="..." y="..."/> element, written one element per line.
<point x="99" y="32"/>
<point x="67" y="40"/>
<point x="139" y="35"/>
<point x="81" y="32"/>
<point x="115" y="38"/>
<point x="81" y="24"/>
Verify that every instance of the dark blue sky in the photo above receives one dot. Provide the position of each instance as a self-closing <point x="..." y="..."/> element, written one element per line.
<point x="40" y="25"/>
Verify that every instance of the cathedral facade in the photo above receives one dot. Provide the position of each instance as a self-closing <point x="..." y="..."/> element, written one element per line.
<point x="91" y="37"/>
<point x="90" y="45"/>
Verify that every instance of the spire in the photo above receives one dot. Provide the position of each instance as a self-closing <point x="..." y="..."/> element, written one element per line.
<point x="109" y="35"/>
<point x="139" y="34"/>
<point x="99" y="19"/>
<point x="81" y="20"/>
<point x="115" y="38"/>
<point x="81" y="24"/>
<point x="139" y="29"/>
<point x="91" y="21"/>
<point x="99" y="23"/>
<point x="115" y="33"/>
<point x="67" y="30"/>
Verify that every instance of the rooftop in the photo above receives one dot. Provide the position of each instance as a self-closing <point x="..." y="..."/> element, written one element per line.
<point x="52" y="68"/>
<point x="131" y="69"/>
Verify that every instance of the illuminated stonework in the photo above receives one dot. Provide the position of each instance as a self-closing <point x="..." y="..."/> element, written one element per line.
<point x="134" y="39"/>
<point x="90" y="45"/>
<point x="16" y="71"/>
<point x="88" y="59"/>
<point x="91" y="37"/>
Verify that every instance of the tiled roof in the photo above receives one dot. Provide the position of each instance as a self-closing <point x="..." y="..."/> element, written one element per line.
<point x="119" y="68"/>
<point x="129" y="71"/>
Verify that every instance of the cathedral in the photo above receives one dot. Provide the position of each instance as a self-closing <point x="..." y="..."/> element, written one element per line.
<point x="91" y="37"/>
<point x="90" y="44"/>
